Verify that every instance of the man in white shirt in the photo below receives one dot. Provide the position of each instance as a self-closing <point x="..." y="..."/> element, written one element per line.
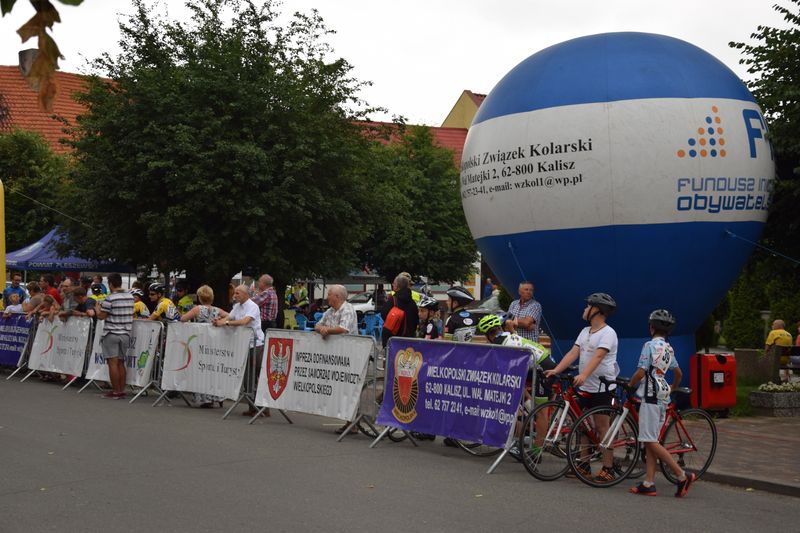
<point x="246" y="313"/>
<point x="340" y="316"/>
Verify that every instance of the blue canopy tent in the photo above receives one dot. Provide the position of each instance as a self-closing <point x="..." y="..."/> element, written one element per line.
<point x="42" y="255"/>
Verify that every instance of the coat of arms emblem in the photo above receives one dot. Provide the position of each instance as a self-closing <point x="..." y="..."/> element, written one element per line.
<point x="405" y="389"/>
<point x="279" y="362"/>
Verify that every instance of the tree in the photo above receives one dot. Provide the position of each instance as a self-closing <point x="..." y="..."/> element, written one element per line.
<point x="744" y="327"/>
<point x="40" y="76"/>
<point x="772" y="58"/>
<point x="417" y="222"/>
<point x="222" y="143"/>
<point x="33" y="177"/>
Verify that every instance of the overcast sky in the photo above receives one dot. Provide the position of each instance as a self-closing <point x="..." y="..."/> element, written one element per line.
<point x="420" y="54"/>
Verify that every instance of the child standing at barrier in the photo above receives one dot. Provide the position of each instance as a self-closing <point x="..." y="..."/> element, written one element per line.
<point x="14" y="306"/>
<point x="656" y="359"/>
<point x="139" y="308"/>
<point x="427" y="312"/>
<point x="597" y="347"/>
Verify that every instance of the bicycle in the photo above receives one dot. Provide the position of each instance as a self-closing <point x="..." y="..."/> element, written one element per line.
<point x="545" y="455"/>
<point x="372" y="391"/>
<point x="482" y="450"/>
<point x="586" y="449"/>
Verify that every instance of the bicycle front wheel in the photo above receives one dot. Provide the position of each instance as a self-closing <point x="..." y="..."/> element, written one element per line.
<point x="692" y="441"/>
<point x="543" y="441"/>
<point x="602" y="448"/>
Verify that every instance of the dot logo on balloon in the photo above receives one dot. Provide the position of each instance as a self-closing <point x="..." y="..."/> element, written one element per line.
<point x="187" y="353"/>
<point x="709" y="141"/>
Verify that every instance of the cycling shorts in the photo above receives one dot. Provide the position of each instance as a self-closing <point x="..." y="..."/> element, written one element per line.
<point x="590" y="400"/>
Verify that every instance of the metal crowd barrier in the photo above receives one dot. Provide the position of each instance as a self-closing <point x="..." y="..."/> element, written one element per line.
<point x="26" y="351"/>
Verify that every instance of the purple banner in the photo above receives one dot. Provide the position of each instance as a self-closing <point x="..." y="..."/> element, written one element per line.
<point x="465" y="391"/>
<point x="14" y="333"/>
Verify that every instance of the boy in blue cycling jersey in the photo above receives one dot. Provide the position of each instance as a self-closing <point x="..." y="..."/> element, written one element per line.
<point x="656" y="359"/>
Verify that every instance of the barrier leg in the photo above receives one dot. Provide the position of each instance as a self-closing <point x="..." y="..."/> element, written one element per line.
<point x="350" y="428"/>
<point x="365" y="419"/>
<point x="385" y="432"/>
<point x="91" y="382"/>
<point x="258" y="413"/>
<point x="497" y="461"/>
<point x="29" y="375"/>
<point x="14" y="372"/>
<point x="144" y="389"/>
<point x="70" y="382"/>
<point x="242" y="396"/>
<point x="163" y="396"/>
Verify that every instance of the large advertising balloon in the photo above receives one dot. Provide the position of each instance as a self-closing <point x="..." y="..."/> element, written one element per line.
<point x="628" y="163"/>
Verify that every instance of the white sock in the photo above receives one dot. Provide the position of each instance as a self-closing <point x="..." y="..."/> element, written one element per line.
<point x="648" y="484"/>
<point x="682" y="477"/>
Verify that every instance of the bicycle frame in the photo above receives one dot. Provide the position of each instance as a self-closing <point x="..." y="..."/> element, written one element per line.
<point x="569" y="399"/>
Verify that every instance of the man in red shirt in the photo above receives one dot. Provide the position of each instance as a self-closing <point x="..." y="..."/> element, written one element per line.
<point x="46" y="283"/>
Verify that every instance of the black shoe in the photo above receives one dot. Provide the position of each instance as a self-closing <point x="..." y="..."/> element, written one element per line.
<point x="683" y="486"/>
<point x="450" y="442"/>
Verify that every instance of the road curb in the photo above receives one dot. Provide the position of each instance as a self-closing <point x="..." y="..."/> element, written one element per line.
<point x="750" y="483"/>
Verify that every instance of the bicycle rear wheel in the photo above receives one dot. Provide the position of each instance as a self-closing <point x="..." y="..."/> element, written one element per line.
<point x="587" y="458"/>
<point x="692" y="440"/>
<point x="397" y="435"/>
<point x="543" y="445"/>
<point x="477" y="449"/>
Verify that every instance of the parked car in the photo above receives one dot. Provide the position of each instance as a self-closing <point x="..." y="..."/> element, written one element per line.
<point x="363" y="302"/>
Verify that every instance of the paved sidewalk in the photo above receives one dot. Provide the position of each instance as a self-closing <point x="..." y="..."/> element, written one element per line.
<point x="762" y="453"/>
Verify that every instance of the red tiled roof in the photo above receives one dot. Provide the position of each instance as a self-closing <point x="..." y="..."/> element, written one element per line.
<point x="24" y="112"/>
<point x="23" y="107"/>
<point x="477" y="98"/>
<point x="451" y="138"/>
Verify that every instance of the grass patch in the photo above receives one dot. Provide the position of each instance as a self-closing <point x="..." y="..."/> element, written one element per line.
<point x="743" y="407"/>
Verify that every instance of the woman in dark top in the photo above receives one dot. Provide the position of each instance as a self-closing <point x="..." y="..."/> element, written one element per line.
<point x="401" y="298"/>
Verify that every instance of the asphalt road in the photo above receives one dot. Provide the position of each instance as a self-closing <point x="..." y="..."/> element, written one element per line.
<point x="80" y="463"/>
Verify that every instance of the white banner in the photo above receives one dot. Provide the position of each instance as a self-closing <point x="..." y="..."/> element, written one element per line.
<point x="61" y="346"/>
<point x="303" y="372"/>
<point x="205" y="359"/>
<point x="139" y="360"/>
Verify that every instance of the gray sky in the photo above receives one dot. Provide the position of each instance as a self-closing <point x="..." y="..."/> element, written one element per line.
<point x="420" y="54"/>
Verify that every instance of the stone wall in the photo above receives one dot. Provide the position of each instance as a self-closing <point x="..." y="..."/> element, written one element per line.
<point x="775" y="403"/>
<point x="753" y="367"/>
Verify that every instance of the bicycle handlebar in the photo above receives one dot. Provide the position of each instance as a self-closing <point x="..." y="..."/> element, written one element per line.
<point x="567" y="375"/>
<point x="621" y="381"/>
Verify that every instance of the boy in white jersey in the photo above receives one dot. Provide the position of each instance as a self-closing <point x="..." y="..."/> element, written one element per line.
<point x="597" y="347"/>
<point x="656" y="359"/>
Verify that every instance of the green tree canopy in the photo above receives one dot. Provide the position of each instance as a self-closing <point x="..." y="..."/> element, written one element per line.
<point x="220" y="143"/>
<point x="772" y="58"/>
<point x="772" y="277"/>
<point x="33" y="177"/>
<point x="418" y="224"/>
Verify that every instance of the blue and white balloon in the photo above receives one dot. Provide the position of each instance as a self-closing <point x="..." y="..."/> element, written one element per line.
<point x="619" y="163"/>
